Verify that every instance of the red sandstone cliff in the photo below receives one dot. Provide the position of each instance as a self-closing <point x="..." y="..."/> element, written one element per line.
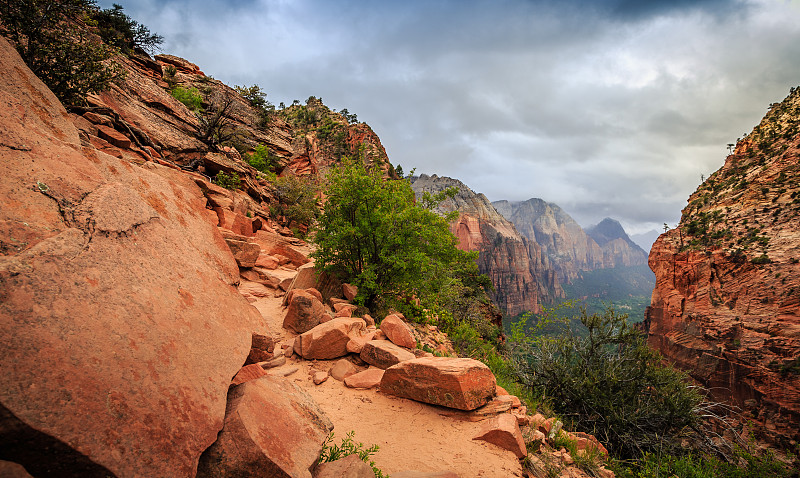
<point x="726" y="307"/>
<point x="521" y="274"/>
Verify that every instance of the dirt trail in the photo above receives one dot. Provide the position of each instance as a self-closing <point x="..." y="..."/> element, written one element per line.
<point x="411" y="435"/>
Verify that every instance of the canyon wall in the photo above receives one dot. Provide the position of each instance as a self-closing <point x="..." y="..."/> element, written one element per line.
<point x="726" y="306"/>
<point x="521" y="273"/>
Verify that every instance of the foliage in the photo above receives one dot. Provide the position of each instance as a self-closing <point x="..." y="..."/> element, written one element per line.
<point x="693" y="466"/>
<point x="333" y="452"/>
<point x="297" y="201"/>
<point x="373" y="233"/>
<point x="190" y="97"/>
<point x="611" y="384"/>
<point x="258" y="100"/>
<point x="118" y="29"/>
<point x="261" y="159"/>
<point x="227" y="181"/>
<point x="51" y="39"/>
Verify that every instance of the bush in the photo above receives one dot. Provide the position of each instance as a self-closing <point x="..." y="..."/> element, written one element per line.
<point x="610" y="384"/>
<point x="227" y="181"/>
<point x="693" y="466"/>
<point x="261" y="159"/>
<point x="215" y="126"/>
<point x="118" y="29"/>
<point x="50" y="37"/>
<point x="333" y="452"/>
<point x="297" y="202"/>
<point x="190" y="97"/>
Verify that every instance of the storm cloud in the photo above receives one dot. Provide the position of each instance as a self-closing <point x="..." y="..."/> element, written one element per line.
<point x="607" y="108"/>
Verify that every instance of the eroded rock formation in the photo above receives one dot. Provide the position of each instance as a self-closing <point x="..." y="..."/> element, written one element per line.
<point x="726" y="307"/>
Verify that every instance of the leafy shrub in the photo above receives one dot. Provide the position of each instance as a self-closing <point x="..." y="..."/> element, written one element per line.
<point x="611" y="384"/>
<point x="258" y="100"/>
<point x="694" y="466"/>
<point x="50" y="37"/>
<point x="333" y="452"/>
<point x="762" y="259"/>
<point x="118" y="29"/>
<point x="296" y="201"/>
<point x="261" y="159"/>
<point x="215" y="126"/>
<point x="227" y="181"/>
<point x="190" y="97"/>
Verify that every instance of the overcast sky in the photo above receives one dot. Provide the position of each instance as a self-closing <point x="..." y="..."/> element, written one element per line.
<point x="608" y="108"/>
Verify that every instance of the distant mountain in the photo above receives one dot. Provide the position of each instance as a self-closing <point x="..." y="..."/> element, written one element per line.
<point x="645" y="240"/>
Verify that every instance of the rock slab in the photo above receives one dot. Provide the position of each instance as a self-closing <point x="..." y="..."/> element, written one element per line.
<point x="384" y="354"/>
<point x="329" y="340"/>
<point x="504" y="432"/>
<point x="460" y="383"/>
<point x="272" y="428"/>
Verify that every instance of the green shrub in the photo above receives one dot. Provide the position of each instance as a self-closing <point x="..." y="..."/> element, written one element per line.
<point x="51" y="38"/>
<point x="227" y="181"/>
<point x="261" y="159"/>
<point x="762" y="259"/>
<point x="118" y="29"/>
<point x="610" y="384"/>
<point x="693" y="466"/>
<point x="333" y="452"/>
<point x="296" y="201"/>
<point x="190" y="97"/>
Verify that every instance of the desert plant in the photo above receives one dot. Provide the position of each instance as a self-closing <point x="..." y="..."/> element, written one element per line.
<point x="215" y="125"/>
<point x="190" y="97"/>
<point x="118" y="29"/>
<point x="333" y="452"/>
<point x="296" y="201"/>
<point x="258" y="100"/>
<point x="261" y="158"/>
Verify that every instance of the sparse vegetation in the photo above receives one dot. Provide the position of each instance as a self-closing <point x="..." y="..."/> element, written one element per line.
<point x="297" y="204"/>
<point x="227" y="181"/>
<point x="333" y="452"/>
<point x="190" y="97"/>
<point x="118" y="29"/>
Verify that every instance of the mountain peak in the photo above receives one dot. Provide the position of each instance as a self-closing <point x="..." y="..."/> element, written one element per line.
<point x="608" y="230"/>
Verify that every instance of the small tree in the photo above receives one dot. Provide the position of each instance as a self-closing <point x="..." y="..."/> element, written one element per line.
<point x="374" y="233"/>
<point x="118" y="29"/>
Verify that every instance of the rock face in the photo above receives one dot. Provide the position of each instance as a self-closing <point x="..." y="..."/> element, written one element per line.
<point x="726" y="307"/>
<point x="522" y="276"/>
<point x="461" y="383"/>
<point x="568" y="247"/>
<point x="272" y="428"/>
<point x="120" y="325"/>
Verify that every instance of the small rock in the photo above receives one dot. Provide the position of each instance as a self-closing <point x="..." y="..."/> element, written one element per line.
<point x="319" y="377"/>
<point x="342" y="369"/>
<point x="247" y="373"/>
<point x="288" y="371"/>
<point x="304" y="312"/>
<point x="369" y="320"/>
<point x="504" y="432"/>
<point x="383" y="354"/>
<point x="369" y="378"/>
<point x="276" y="362"/>
<point x="349" y="291"/>
<point x="261" y="348"/>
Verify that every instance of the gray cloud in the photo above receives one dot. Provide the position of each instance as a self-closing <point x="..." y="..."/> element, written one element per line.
<point x="610" y="108"/>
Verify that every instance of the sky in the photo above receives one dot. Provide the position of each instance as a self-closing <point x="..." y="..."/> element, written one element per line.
<point x="611" y="108"/>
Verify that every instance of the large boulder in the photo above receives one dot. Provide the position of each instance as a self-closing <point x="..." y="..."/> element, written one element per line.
<point x="120" y="325"/>
<point x="329" y="340"/>
<point x="384" y="354"/>
<point x="461" y="383"/>
<point x="272" y="428"/>
<point x="398" y="332"/>
<point x="304" y="312"/>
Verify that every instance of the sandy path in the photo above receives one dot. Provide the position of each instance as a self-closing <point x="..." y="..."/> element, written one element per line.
<point x="411" y="435"/>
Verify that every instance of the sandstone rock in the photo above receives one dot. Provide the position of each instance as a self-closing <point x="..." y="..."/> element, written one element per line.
<point x="383" y="354"/>
<point x="504" y="432"/>
<point x="304" y="312"/>
<point x="266" y="261"/>
<point x="272" y="428"/>
<point x="261" y="348"/>
<point x="499" y="404"/>
<point x="326" y="317"/>
<point x="113" y="136"/>
<point x="13" y="470"/>
<point x="369" y="320"/>
<point x="465" y="384"/>
<point x="587" y="442"/>
<point x="248" y="373"/>
<point x="129" y="291"/>
<point x="276" y="362"/>
<point x="245" y="253"/>
<point x="369" y="378"/>
<point x="315" y="293"/>
<point x="253" y="291"/>
<point x="350" y="466"/>
<point x="379" y="335"/>
<point x="356" y="344"/>
<point x="329" y="340"/>
<point x="344" y="310"/>
<point x="398" y="332"/>
<point x="319" y="377"/>
<point x="342" y="369"/>
<point x="336" y="300"/>
<point x="349" y="291"/>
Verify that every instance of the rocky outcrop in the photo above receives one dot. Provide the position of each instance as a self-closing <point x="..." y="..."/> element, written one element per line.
<point x="522" y="276"/>
<point x="120" y="325"/>
<point x="726" y="307"/>
<point x="568" y="247"/>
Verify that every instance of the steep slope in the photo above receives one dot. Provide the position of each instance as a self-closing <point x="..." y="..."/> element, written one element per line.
<point x="520" y="272"/>
<point x="726" y="306"/>
<point x="569" y="248"/>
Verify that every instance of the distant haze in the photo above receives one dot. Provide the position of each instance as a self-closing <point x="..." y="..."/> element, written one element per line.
<point x="609" y="108"/>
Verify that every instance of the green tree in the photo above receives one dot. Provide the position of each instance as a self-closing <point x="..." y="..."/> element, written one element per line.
<point x="296" y="202"/>
<point x="51" y="38"/>
<point x="374" y="233"/>
<point x="611" y="384"/>
<point x="118" y="29"/>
